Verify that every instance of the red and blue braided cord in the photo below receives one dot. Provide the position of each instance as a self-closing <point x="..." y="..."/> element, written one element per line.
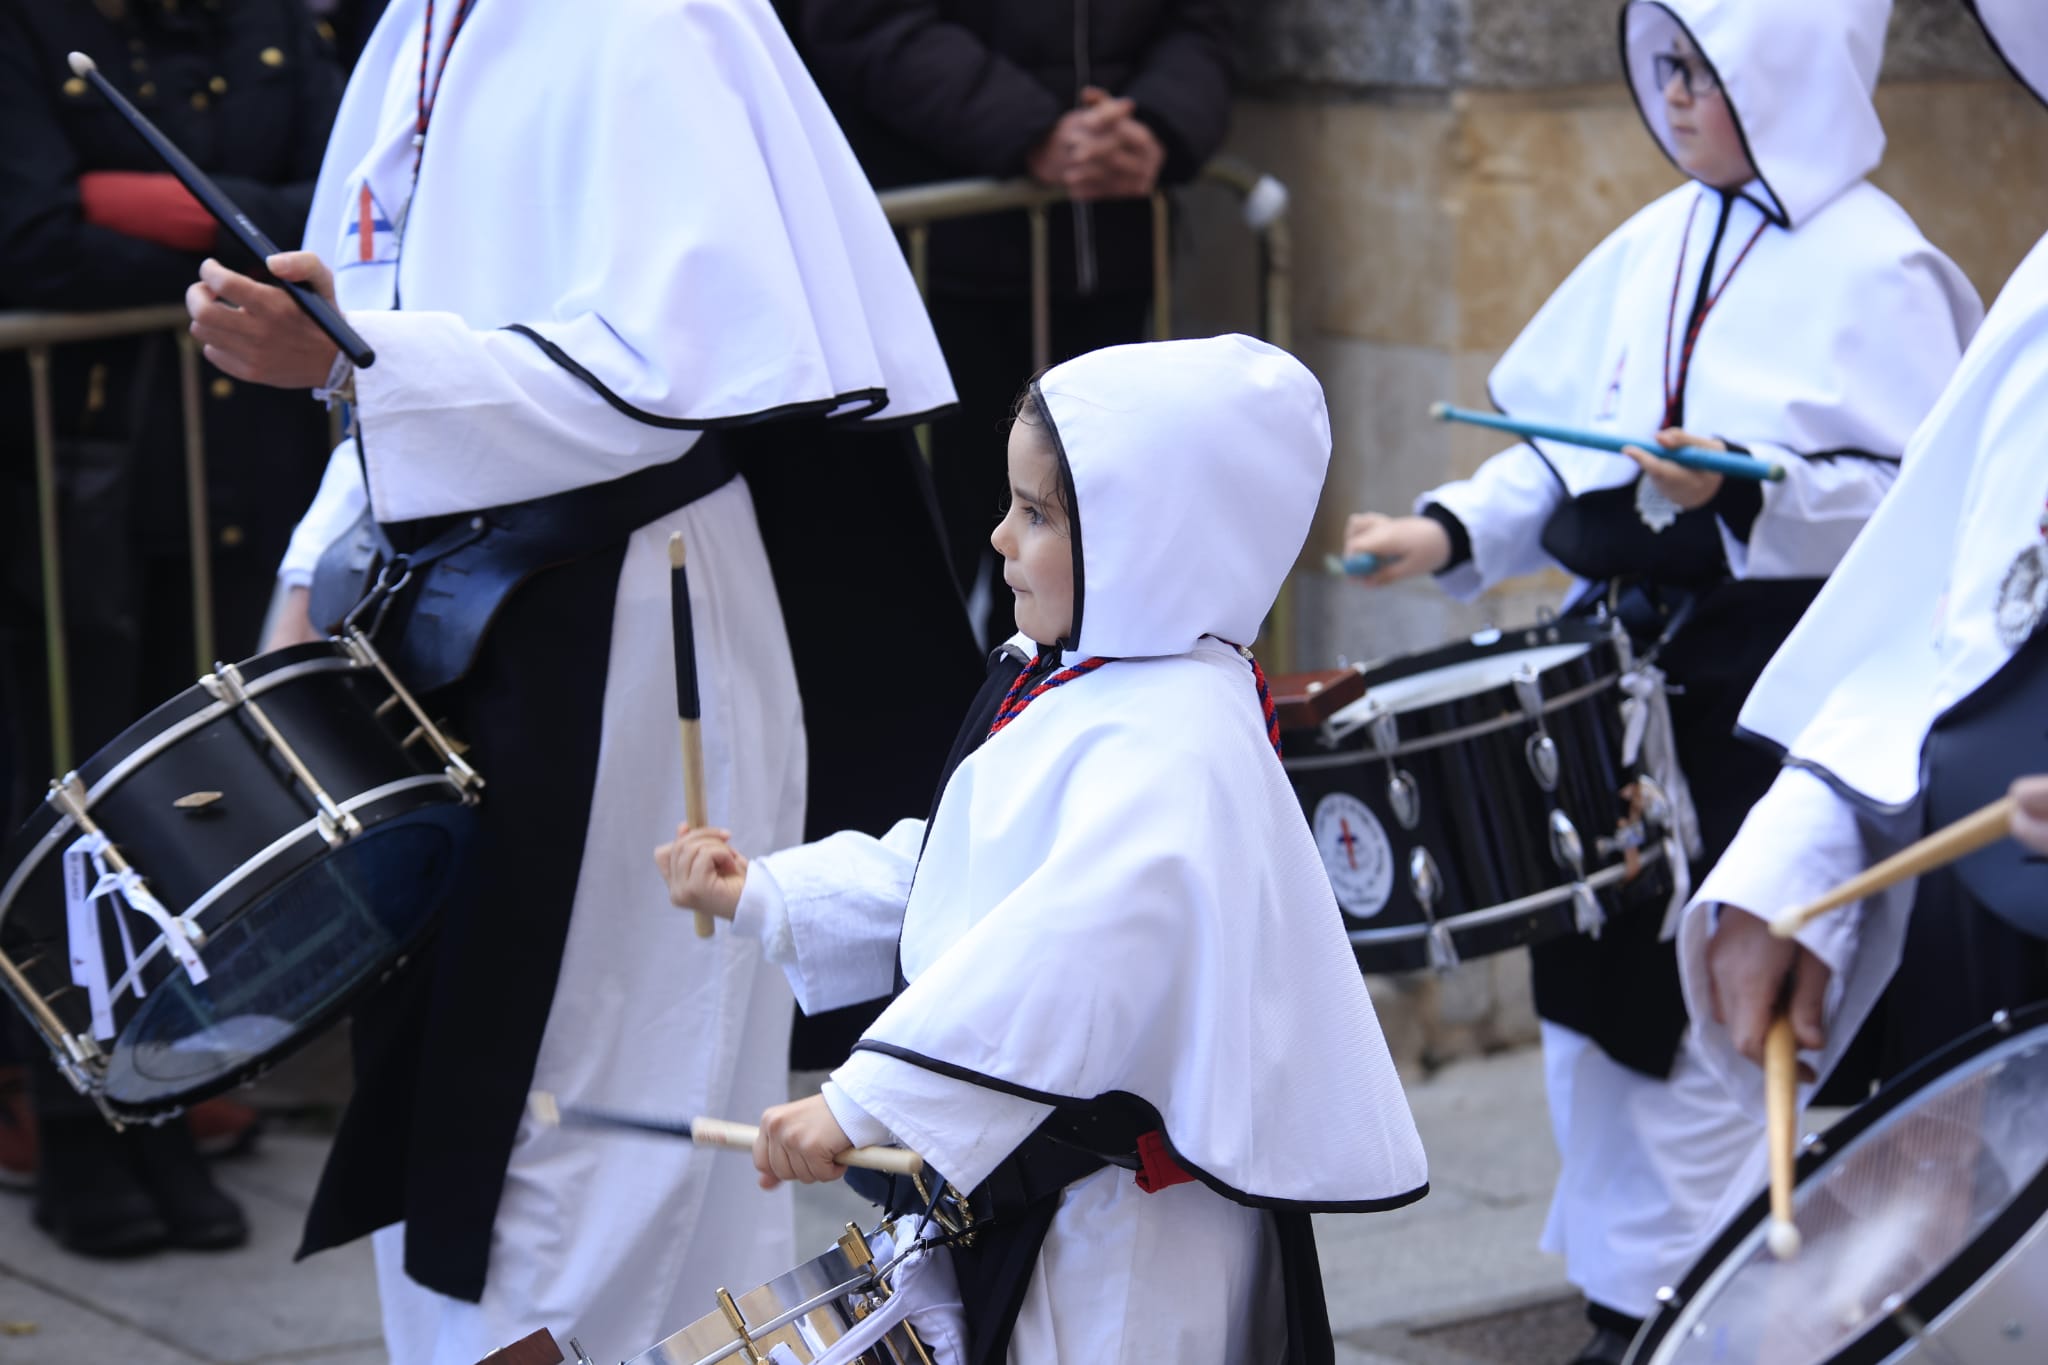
<point x="1020" y="696"/>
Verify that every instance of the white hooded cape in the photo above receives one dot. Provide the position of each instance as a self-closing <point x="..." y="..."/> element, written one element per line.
<point x="1908" y="627"/>
<point x="1831" y="341"/>
<point x="1119" y="893"/>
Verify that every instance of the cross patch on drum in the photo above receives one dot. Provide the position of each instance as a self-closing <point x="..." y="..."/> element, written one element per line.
<point x="1356" y="852"/>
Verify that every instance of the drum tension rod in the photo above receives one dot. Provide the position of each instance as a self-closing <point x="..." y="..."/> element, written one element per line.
<point x="225" y="685"/>
<point x="738" y="1322"/>
<point x="466" y="779"/>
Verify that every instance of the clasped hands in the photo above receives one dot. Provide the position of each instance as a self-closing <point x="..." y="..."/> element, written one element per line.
<point x="1099" y="151"/>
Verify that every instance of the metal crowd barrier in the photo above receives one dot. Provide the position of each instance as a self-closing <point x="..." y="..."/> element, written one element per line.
<point x="913" y="209"/>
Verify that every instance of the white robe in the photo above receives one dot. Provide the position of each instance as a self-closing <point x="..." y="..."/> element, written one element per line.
<point x="653" y="189"/>
<point x="1785" y="366"/>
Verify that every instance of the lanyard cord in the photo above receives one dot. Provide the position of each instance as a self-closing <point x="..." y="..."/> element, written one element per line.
<point x="1704" y="301"/>
<point x="427" y="101"/>
<point x="1025" y="690"/>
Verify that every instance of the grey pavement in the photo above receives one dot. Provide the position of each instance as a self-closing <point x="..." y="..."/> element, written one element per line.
<point x="1453" y="1280"/>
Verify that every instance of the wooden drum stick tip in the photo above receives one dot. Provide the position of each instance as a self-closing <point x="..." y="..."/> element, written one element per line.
<point x="675" y="549"/>
<point x="1439" y="410"/>
<point x="1783" y="1239"/>
<point x="82" y="65"/>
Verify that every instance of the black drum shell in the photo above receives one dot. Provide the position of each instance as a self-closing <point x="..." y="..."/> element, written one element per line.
<point x="326" y="706"/>
<point x="1483" y="817"/>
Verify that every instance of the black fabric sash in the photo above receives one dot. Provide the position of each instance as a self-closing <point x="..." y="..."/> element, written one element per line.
<point x="464" y="568"/>
<point x="444" y="1052"/>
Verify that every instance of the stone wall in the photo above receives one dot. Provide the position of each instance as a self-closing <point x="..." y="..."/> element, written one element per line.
<point x="1449" y="162"/>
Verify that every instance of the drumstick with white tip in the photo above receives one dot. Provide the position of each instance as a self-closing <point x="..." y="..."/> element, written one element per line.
<point x="689" y="703"/>
<point x="1979" y="829"/>
<point x="706" y="1132"/>
<point x="1781" y="1131"/>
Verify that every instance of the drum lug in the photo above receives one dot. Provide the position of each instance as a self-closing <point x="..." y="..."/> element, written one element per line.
<point x="225" y="685"/>
<point x="1529" y="693"/>
<point x="1385" y="731"/>
<point x="1404" y="799"/>
<point x="1427" y="884"/>
<point x="1566" y="848"/>
<point x="1443" y="953"/>
<point x="1541" y="751"/>
<point x="738" y="1322"/>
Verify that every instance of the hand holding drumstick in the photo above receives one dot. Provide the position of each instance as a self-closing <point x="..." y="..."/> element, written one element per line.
<point x="704" y="872"/>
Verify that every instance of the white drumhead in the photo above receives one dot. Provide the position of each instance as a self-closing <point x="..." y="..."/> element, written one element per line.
<point x="1456" y="680"/>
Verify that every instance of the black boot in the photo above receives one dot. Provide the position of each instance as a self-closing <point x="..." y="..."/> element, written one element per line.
<point x="200" y="1216"/>
<point x="87" y="1193"/>
<point x="1613" y="1333"/>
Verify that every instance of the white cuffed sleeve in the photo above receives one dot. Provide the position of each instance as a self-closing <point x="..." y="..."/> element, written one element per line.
<point x="456" y="418"/>
<point x="961" y="1128"/>
<point x="1799" y="842"/>
<point x="336" y="507"/>
<point x="830" y="913"/>
<point x="1809" y="517"/>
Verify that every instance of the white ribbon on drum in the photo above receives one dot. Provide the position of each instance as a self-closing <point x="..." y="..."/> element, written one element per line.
<point x="1646" y="734"/>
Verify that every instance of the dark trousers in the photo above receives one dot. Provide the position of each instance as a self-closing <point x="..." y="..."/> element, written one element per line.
<point x="987" y="342"/>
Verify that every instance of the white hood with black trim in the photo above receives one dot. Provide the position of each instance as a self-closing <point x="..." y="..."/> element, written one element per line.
<point x="1950" y="577"/>
<point x="1118" y="893"/>
<point x="1798" y="76"/>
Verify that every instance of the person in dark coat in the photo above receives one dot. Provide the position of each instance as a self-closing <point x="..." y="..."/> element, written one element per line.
<point x="90" y="219"/>
<point x="1106" y="98"/>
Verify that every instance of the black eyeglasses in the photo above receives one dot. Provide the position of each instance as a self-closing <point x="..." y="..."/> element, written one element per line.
<point x="1698" y="76"/>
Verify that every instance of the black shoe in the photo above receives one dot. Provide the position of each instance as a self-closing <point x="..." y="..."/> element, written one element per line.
<point x="87" y="1193"/>
<point x="1608" y="1347"/>
<point x="199" y="1215"/>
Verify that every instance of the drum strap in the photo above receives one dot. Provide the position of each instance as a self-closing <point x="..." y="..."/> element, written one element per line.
<point x="458" y="571"/>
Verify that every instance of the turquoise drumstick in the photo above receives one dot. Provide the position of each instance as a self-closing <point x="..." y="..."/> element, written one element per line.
<point x="1695" y="457"/>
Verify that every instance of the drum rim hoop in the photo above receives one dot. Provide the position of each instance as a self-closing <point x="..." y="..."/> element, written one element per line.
<point x="1946" y="1286"/>
<point x="158" y="743"/>
<point x="1442" y="739"/>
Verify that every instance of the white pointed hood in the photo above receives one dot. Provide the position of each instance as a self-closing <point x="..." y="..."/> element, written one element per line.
<point x="1798" y="76"/>
<point x="1194" y="470"/>
<point x="2018" y="30"/>
<point x="1118" y="894"/>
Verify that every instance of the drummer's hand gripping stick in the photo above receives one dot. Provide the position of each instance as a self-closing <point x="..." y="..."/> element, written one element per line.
<point x="706" y="1132"/>
<point x="1722" y="462"/>
<point x="227" y="213"/>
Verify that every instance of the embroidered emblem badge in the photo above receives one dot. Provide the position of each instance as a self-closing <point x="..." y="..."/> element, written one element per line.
<point x="2023" y="596"/>
<point x="1656" y="510"/>
<point x="1356" y="852"/>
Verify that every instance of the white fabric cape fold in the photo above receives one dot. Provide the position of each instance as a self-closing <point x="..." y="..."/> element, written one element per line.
<point x="1912" y="614"/>
<point x="757" y="276"/>
<point x="1073" y="933"/>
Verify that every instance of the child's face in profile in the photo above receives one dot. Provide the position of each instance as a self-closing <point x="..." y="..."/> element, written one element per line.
<point x="1703" y="134"/>
<point x="1038" y="554"/>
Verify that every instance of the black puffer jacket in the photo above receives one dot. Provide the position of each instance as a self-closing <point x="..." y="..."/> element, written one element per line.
<point x="941" y="89"/>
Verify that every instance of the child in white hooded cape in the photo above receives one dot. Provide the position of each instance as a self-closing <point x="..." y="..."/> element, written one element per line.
<point x="1780" y="304"/>
<point x="1116" y="905"/>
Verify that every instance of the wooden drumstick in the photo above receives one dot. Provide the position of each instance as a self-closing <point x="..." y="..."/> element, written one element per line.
<point x="1781" y="1131"/>
<point x="689" y="703"/>
<point x="1974" y="831"/>
<point x="707" y="1132"/>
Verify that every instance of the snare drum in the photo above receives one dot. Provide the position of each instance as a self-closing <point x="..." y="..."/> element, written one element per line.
<point x="211" y="889"/>
<point x="1475" y="798"/>
<point x="1924" y="1222"/>
<point x="796" y="1318"/>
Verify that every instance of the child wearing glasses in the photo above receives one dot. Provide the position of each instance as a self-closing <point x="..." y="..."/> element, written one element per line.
<point x="1776" y="304"/>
